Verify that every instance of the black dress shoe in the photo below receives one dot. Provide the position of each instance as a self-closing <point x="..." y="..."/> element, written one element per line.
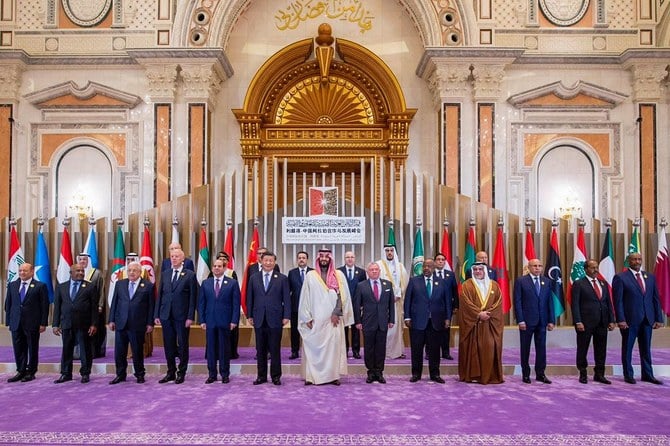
<point x="85" y="379"/>
<point x="652" y="380"/>
<point x="118" y="379"/>
<point x="29" y="377"/>
<point x="210" y="380"/>
<point x="259" y="381"/>
<point x="543" y="379"/>
<point x="225" y="380"/>
<point x="414" y="378"/>
<point x="449" y="357"/>
<point x="357" y="355"/>
<point x="16" y="378"/>
<point x="167" y="378"/>
<point x="179" y="379"/>
<point x="381" y="380"/>
<point x="437" y="379"/>
<point x="309" y="383"/>
<point x="583" y="379"/>
<point x="276" y="381"/>
<point x="140" y="380"/>
<point x="601" y="379"/>
<point x="369" y="380"/>
<point x="526" y="379"/>
<point x="234" y="356"/>
<point x="293" y="356"/>
<point x="335" y="382"/>
<point x="62" y="379"/>
<point x="629" y="380"/>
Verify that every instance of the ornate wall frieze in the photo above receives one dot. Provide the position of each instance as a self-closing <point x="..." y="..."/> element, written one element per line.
<point x="202" y="82"/>
<point x="648" y="80"/>
<point x="450" y="80"/>
<point x="10" y="80"/>
<point x="162" y="81"/>
<point x="488" y="80"/>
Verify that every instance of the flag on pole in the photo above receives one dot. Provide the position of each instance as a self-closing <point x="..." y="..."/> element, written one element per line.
<point x="391" y="237"/>
<point x="469" y="256"/>
<point x="529" y="251"/>
<point x="606" y="269"/>
<point x="228" y="248"/>
<point x="175" y="235"/>
<point x="633" y="246"/>
<point x="499" y="264"/>
<point x="553" y="274"/>
<point x="42" y="266"/>
<point x="16" y="257"/>
<point x="252" y="260"/>
<point x="146" y="258"/>
<point x="65" y="259"/>
<point x="202" y="270"/>
<point x="118" y="268"/>
<point x="662" y="271"/>
<point x="446" y="250"/>
<point x="417" y="256"/>
<point x="578" y="261"/>
<point x="91" y="248"/>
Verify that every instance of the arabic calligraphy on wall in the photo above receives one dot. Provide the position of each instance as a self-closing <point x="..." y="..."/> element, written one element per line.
<point x="299" y="11"/>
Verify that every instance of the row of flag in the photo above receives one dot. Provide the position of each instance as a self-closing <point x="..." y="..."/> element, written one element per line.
<point x="552" y="270"/>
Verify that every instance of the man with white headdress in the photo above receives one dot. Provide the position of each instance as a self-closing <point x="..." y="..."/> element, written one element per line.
<point x="324" y="310"/>
<point x="481" y="328"/>
<point x="395" y="272"/>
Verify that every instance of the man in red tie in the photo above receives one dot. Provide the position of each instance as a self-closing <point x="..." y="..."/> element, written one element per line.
<point x="638" y="312"/>
<point x="374" y="313"/>
<point x="593" y="317"/>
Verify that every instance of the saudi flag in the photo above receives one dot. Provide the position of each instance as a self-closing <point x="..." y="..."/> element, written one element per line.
<point x="203" y="270"/>
<point x="578" y="261"/>
<point x="469" y="256"/>
<point x="633" y="246"/>
<point x="417" y="257"/>
<point x="606" y="269"/>
<point x="118" y="264"/>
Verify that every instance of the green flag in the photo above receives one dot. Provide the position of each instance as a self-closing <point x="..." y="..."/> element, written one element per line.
<point x="417" y="257"/>
<point x="633" y="246"/>
<point x="391" y="237"/>
<point x="118" y="263"/>
<point x="469" y="256"/>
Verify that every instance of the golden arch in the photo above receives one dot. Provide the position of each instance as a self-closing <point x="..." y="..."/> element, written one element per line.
<point x="323" y="105"/>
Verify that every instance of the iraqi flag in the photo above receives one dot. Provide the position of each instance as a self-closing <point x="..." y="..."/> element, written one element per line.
<point x="16" y="257"/>
<point x="65" y="258"/>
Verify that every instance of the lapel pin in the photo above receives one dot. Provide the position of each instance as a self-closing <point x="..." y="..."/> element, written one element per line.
<point x="83" y="285"/>
<point x="141" y="284"/>
<point x="32" y="285"/>
<point x="225" y="282"/>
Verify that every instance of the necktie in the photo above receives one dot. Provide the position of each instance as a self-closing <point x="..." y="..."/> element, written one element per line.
<point x="175" y="275"/>
<point x="302" y="275"/>
<point x="351" y="274"/>
<point x="429" y="287"/>
<point x="639" y="281"/>
<point x="267" y="281"/>
<point x="596" y="288"/>
<point x="537" y="285"/>
<point x="375" y="289"/>
<point x="131" y="289"/>
<point x="439" y="274"/>
<point x="217" y="287"/>
<point x="75" y="288"/>
<point x="22" y="291"/>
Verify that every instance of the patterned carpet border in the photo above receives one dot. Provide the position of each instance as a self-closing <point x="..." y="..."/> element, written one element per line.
<point x="323" y="439"/>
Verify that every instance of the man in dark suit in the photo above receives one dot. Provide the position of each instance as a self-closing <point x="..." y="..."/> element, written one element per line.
<point x="235" y="332"/>
<point x="374" y="313"/>
<point x="638" y="312"/>
<point x="534" y="311"/>
<point x="427" y="309"/>
<point x="354" y="275"/>
<point x="269" y="309"/>
<point x="75" y="317"/>
<point x="94" y="276"/>
<point x="166" y="265"/>
<point x="296" y="277"/>
<point x="219" y="310"/>
<point x="131" y="316"/>
<point x="175" y="312"/>
<point x="441" y="273"/>
<point x="593" y="317"/>
<point x="482" y="257"/>
<point x="27" y="315"/>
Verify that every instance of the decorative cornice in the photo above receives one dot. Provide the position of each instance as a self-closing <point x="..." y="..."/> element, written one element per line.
<point x="47" y="98"/>
<point x="450" y="81"/>
<point x="162" y="80"/>
<point x="202" y="81"/>
<point x="605" y="97"/>
<point x="472" y="55"/>
<point x="648" y="80"/>
<point x="488" y="80"/>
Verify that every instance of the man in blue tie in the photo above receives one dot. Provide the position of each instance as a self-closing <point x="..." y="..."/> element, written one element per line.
<point x="355" y="275"/>
<point x="296" y="277"/>
<point x="534" y="311"/>
<point x="27" y="315"/>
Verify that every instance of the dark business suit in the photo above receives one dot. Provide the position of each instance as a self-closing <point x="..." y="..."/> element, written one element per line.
<point x="268" y="309"/>
<point x="235" y="336"/>
<point x="176" y="303"/>
<point x="131" y="317"/>
<point x="375" y="316"/>
<point x="24" y="320"/>
<point x="358" y="276"/>
<point x="537" y="311"/>
<point x="450" y="281"/>
<point x="640" y="310"/>
<point x="596" y="314"/>
<point x="218" y="312"/>
<point x="428" y="316"/>
<point x="295" y="286"/>
<point x="74" y="318"/>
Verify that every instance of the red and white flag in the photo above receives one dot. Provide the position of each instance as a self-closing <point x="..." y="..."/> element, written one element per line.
<point x="16" y="257"/>
<point x="65" y="259"/>
<point x="229" y="249"/>
<point x="662" y="271"/>
<point x="446" y="249"/>
<point x="146" y="258"/>
<point x="529" y="251"/>
<point x="252" y="260"/>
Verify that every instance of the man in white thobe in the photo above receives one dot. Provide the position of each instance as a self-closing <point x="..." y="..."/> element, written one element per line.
<point x="395" y="272"/>
<point x="324" y="310"/>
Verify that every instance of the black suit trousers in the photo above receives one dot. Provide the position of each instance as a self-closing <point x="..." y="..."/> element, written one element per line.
<point x="295" y="334"/>
<point x="375" y="350"/>
<point x="599" y="335"/>
<point x="136" y="340"/>
<point x="26" y="345"/>
<point x="268" y="340"/>
<point x="218" y="348"/>
<point x="175" y="343"/>
<point x="72" y="337"/>
<point x="234" y="340"/>
<point x="99" y="339"/>
<point x="355" y="338"/>
<point x="430" y="339"/>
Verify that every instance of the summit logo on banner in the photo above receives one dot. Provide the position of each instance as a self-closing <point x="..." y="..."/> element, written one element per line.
<point x="323" y="201"/>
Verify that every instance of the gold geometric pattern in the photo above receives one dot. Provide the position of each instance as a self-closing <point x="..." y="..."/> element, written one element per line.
<point x="337" y="102"/>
